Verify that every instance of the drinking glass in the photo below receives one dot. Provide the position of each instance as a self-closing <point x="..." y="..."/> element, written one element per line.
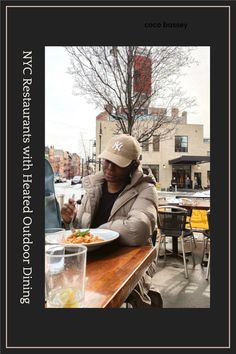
<point x="54" y="235"/>
<point x="65" y="270"/>
<point x="60" y="199"/>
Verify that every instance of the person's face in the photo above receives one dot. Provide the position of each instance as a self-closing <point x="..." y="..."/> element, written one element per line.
<point x="114" y="173"/>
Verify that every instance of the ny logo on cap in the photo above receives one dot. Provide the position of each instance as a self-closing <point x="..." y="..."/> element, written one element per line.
<point x="117" y="146"/>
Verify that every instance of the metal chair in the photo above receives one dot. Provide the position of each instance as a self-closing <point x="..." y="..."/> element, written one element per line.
<point x="207" y="246"/>
<point x="171" y="222"/>
<point x="188" y="224"/>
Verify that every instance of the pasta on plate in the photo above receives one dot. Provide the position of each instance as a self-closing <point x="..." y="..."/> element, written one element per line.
<point x="79" y="236"/>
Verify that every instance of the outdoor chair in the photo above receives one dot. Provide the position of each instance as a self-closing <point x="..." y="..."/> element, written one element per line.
<point x="154" y="237"/>
<point x="171" y="222"/>
<point x="207" y="246"/>
<point x="188" y="224"/>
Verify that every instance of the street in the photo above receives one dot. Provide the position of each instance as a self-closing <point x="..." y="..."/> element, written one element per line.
<point x="67" y="190"/>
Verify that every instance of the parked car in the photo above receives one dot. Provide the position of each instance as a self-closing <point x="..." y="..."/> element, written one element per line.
<point x="59" y="179"/>
<point x="76" y="180"/>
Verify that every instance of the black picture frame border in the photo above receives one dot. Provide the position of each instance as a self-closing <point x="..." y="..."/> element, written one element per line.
<point x="5" y="178"/>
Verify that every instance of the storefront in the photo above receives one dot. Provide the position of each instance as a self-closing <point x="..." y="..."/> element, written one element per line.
<point x="182" y="171"/>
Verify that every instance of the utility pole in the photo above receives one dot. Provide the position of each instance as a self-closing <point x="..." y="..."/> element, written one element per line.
<point x="100" y="145"/>
<point x="82" y="168"/>
<point x="86" y="157"/>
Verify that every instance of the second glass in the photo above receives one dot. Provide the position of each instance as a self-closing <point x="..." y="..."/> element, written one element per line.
<point x="65" y="270"/>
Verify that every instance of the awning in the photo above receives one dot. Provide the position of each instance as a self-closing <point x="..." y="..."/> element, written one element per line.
<point x="191" y="160"/>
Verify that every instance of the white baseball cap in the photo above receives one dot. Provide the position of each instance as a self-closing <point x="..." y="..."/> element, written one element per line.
<point x="121" y="150"/>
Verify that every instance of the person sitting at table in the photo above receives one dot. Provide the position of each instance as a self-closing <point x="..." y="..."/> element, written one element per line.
<point x="123" y="199"/>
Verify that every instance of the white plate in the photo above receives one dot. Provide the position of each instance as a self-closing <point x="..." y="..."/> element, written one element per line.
<point x="107" y="236"/>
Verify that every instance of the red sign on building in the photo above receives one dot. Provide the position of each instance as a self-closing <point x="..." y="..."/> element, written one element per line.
<point x="142" y="74"/>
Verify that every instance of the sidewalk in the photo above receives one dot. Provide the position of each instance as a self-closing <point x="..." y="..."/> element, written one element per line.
<point x="176" y="290"/>
<point x="185" y="192"/>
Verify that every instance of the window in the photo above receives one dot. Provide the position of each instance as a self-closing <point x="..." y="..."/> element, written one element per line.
<point x="181" y="144"/>
<point x="141" y="111"/>
<point x="145" y="146"/>
<point x="151" y="169"/>
<point x="144" y="111"/>
<point x="156" y="142"/>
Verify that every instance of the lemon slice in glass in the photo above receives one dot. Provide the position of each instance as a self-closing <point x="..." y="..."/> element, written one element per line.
<point x="68" y="298"/>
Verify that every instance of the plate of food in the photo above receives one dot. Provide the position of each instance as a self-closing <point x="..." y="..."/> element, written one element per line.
<point x="91" y="238"/>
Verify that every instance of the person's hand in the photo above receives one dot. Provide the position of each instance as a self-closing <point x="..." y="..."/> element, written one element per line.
<point x="68" y="211"/>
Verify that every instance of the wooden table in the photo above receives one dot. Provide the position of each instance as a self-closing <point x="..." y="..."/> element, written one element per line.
<point x="112" y="273"/>
<point x="197" y="204"/>
<point x="192" y="196"/>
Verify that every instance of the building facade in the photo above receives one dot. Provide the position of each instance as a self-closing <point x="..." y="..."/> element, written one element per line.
<point x="64" y="164"/>
<point x="185" y="154"/>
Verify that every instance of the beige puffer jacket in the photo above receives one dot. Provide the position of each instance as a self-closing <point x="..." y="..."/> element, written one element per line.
<point x="134" y="212"/>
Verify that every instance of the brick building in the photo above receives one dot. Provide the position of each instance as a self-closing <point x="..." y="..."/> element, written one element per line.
<point x="64" y="164"/>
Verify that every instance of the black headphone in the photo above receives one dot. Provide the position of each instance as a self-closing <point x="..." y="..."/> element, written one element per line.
<point x="134" y="164"/>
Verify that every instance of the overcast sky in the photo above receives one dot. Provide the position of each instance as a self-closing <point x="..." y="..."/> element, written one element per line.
<point x="70" y="121"/>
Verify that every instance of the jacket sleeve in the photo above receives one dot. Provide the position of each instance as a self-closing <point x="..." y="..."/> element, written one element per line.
<point x="83" y="216"/>
<point x="136" y="228"/>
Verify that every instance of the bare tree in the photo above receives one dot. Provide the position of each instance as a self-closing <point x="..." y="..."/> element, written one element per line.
<point x="126" y="81"/>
